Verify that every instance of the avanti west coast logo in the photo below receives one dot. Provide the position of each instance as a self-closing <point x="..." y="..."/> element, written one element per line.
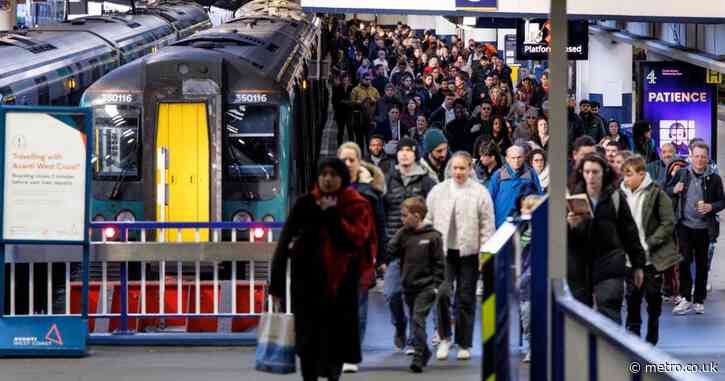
<point x="51" y="338"/>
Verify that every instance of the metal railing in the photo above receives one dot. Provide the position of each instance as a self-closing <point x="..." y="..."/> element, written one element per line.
<point x="142" y="282"/>
<point x="587" y="345"/>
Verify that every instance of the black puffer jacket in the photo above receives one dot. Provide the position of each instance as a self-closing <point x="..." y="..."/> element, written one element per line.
<point x="396" y="192"/>
<point x="597" y="247"/>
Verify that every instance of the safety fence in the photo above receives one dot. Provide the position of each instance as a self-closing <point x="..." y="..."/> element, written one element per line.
<point x="148" y="280"/>
<point x="581" y="344"/>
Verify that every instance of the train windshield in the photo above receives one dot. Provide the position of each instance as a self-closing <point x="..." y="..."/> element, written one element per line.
<point x="250" y="143"/>
<point x="117" y="147"/>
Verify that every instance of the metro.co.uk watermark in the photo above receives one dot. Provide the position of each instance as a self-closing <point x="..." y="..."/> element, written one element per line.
<point x="635" y="367"/>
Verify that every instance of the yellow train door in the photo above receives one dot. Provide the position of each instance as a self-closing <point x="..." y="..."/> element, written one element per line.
<point x="182" y="163"/>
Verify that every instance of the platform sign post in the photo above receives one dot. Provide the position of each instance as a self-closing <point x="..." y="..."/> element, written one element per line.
<point x="45" y="174"/>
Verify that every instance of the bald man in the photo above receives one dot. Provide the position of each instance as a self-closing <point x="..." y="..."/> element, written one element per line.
<point x="512" y="181"/>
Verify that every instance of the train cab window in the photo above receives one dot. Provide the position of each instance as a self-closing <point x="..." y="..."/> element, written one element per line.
<point x="250" y="144"/>
<point x="117" y="147"/>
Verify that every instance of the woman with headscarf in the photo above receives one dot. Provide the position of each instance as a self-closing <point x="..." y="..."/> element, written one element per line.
<point x="330" y="239"/>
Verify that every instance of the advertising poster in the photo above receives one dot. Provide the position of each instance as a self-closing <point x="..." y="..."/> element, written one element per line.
<point x="44" y="179"/>
<point x="678" y="103"/>
<point x="533" y="39"/>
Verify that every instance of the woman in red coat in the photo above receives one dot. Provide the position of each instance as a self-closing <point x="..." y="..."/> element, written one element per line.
<point x="329" y="237"/>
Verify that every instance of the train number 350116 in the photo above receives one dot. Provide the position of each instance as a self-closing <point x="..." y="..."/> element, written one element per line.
<point x="117" y="98"/>
<point x="251" y="98"/>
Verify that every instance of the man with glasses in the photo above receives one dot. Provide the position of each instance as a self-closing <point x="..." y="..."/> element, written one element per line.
<point x="482" y="123"/>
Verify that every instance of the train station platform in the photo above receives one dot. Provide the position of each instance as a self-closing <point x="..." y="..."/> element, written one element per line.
<point x="380" y="363"/>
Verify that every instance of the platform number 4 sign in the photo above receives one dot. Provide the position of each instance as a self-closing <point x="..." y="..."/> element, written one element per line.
<point x="651" y="78"/>
<point x="714" y="77"/>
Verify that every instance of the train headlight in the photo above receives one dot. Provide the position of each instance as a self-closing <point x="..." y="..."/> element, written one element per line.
<point x="125" y="216"/>
<point x="242" y="216"/>
<point x="268" y="218"/>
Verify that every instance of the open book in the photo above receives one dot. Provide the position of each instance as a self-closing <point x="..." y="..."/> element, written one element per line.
<point x="579" y="204"/>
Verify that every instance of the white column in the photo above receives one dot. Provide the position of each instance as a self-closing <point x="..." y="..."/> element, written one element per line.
<point x="607" y="77"/>
<point x="8" y="11"/>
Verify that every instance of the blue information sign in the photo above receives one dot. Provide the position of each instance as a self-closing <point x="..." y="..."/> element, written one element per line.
<point x="45" y="175"/>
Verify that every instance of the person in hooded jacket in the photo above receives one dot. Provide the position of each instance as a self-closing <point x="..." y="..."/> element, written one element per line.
<point x="329" y="236"/>
<point x="600" y="243"/>
<point x="652" y="211"/>
<point x="369" y="181"/>
<point x="407" y="180"/>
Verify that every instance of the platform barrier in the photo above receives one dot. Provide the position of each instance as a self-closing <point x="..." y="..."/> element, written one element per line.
<point x="588" y="346"/>
<point x="144" y="292"/>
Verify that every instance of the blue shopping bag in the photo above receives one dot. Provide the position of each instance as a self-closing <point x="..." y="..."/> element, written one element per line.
<point x="276" y="344"/>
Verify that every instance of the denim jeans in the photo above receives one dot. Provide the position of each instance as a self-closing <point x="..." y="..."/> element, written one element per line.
<point x="363" y="313"/>
<point x="393" y="292"/>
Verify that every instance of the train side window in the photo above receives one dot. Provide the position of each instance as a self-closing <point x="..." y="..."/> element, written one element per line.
<point x="250" y="144"/>
<point x="117" y="150"/>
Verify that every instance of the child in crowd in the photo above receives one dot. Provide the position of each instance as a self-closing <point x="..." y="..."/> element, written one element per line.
<point x="420" y="249"/>
<point x="653" y="214"/>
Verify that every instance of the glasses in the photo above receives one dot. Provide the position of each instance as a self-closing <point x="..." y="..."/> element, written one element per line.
<point x="486" y="108"/>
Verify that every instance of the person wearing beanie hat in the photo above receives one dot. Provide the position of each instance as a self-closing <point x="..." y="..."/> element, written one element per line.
<point x="435" y="154"/>
<point x="406" y="180"/>
<point x="326" y="237"/>
<point x="410" y="143"/>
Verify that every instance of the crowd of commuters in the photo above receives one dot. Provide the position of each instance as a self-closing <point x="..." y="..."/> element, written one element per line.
<point x="443" y="147"/>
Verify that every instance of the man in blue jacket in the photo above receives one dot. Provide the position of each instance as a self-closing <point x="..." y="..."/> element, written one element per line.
<point x="512" y="181"/>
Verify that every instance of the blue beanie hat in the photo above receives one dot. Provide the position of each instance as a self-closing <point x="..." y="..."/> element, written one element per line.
<point x="432" y="139"/>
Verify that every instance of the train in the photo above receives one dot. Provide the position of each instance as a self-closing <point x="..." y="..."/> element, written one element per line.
<point x="52" y="65"/>
<point x="221" y="126"/>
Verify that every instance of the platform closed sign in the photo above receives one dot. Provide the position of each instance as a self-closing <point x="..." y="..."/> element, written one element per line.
<point x="44" y="177"/>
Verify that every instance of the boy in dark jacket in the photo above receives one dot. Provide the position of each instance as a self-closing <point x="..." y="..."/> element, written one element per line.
<point x="653" y="214"/>
<point x="420" y="249"/>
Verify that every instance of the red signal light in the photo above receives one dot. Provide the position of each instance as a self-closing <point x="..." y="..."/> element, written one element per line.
<point x="258" y="233"/>
<point x="110" y="233"/>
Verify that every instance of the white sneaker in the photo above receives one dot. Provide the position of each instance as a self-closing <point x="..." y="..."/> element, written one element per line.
<point x="349" y="368"/>
<point x="676" y="300"/>
<point x="699" y="308"/>
<point x="410" y="351"/>
<point x="443" y="348"/>
<point x="527" y="357"/>
<point x="464" y="354"/>
<point x="479" y="288"/>
<point x="682" y="308"/>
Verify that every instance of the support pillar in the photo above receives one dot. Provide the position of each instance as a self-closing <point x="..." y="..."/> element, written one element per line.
<point x="606" y="77"/>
